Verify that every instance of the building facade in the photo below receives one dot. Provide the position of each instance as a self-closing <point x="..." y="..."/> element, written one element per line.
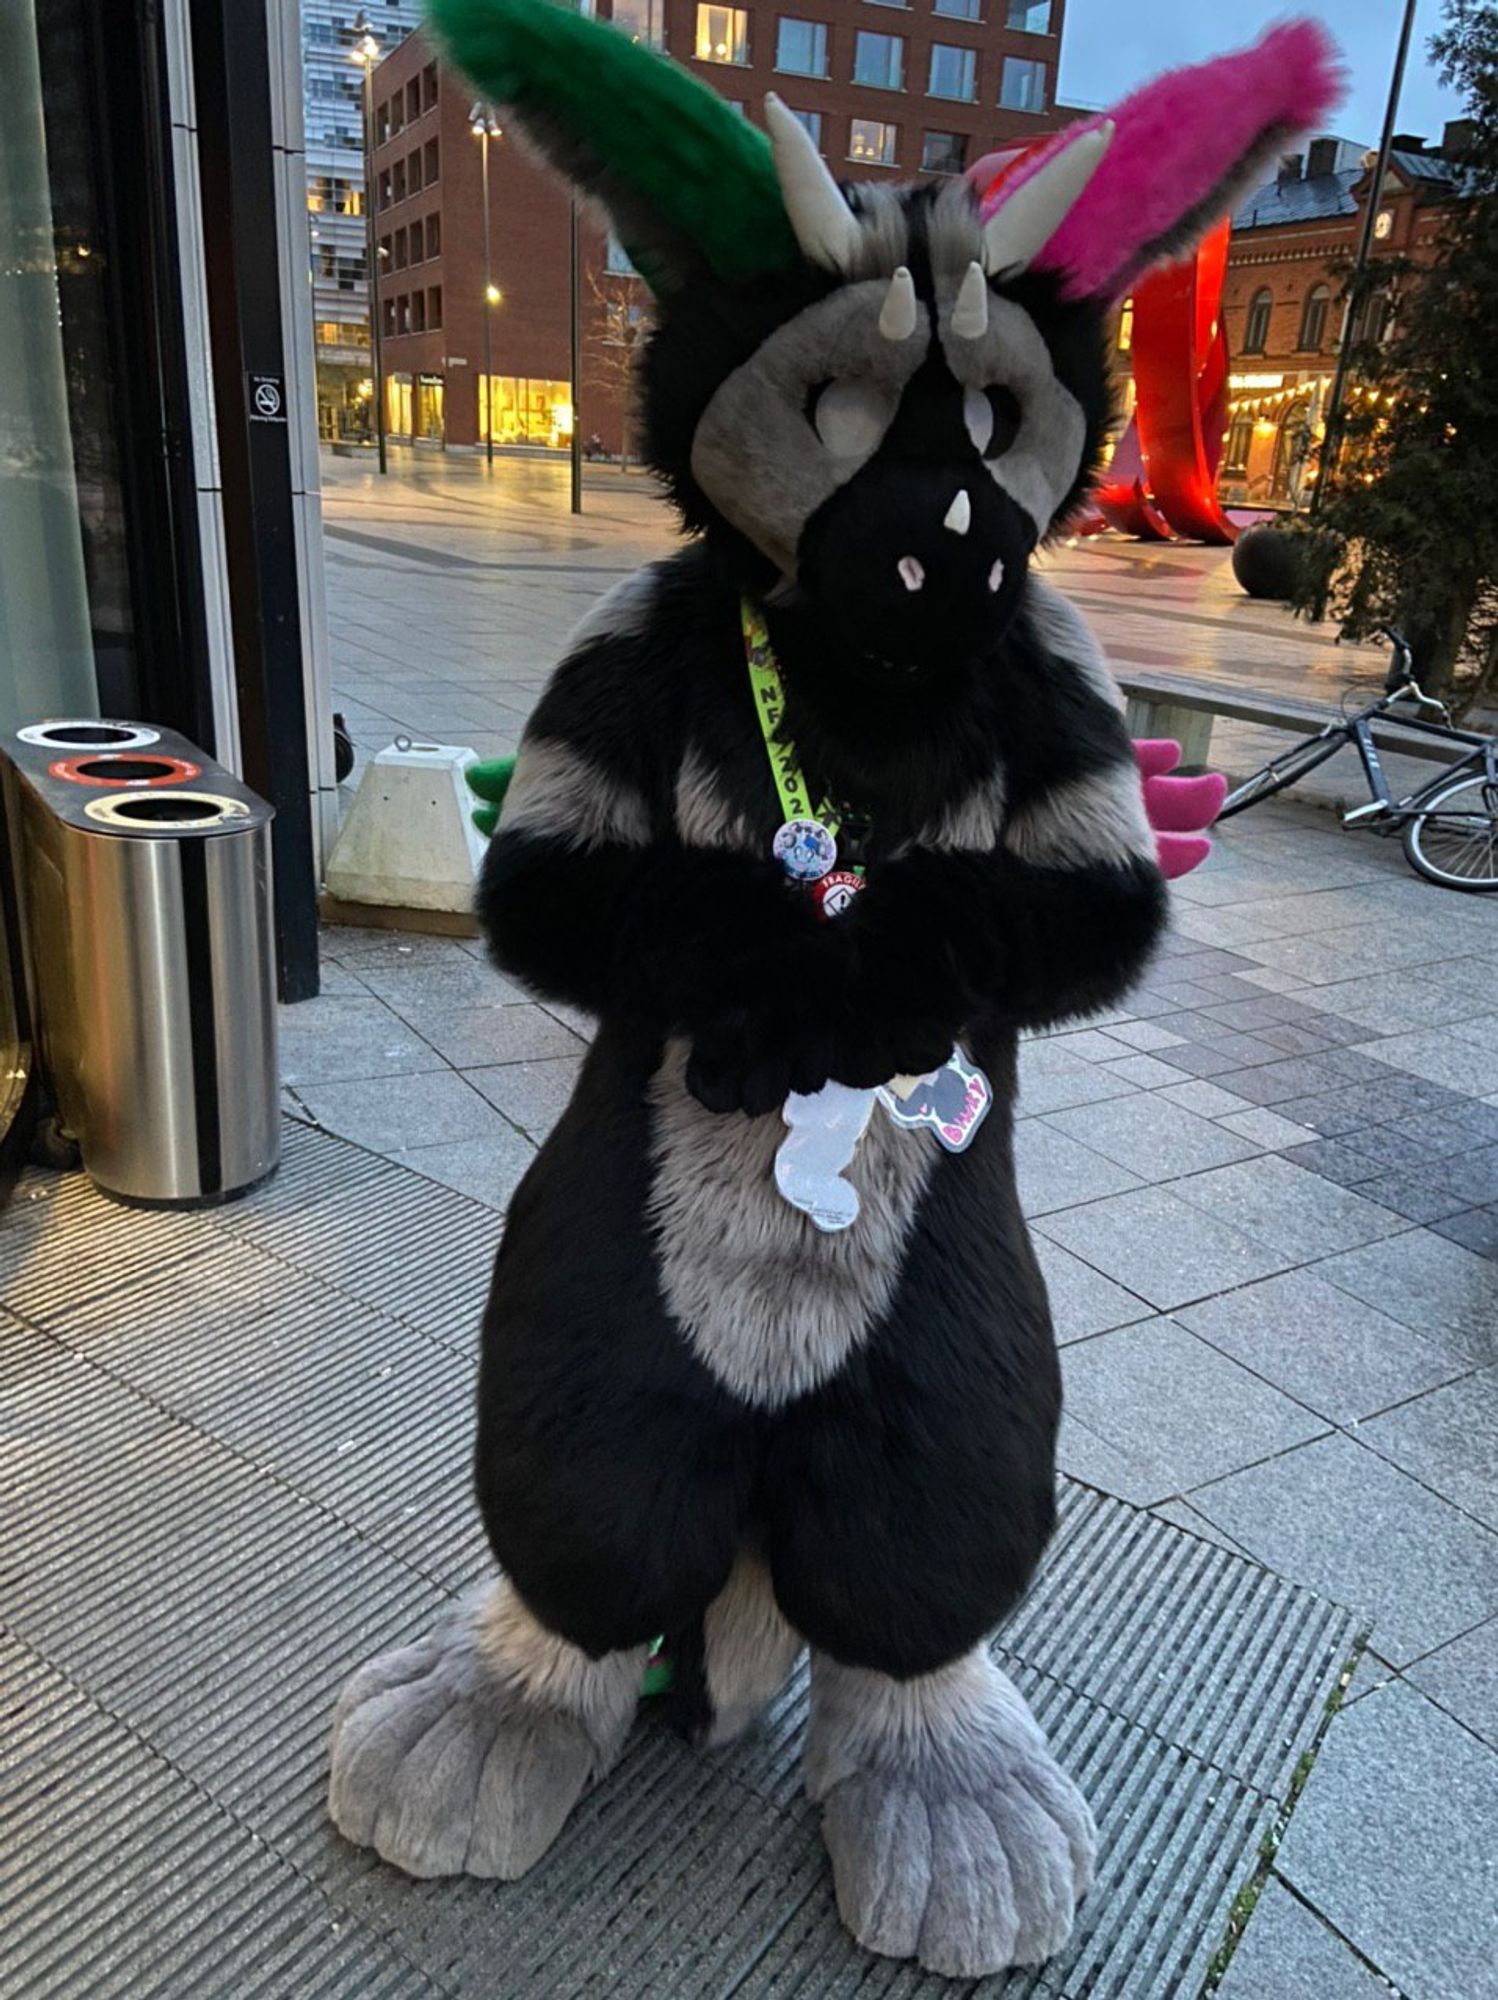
<point x="333" y="111"/>
<point x="1293" y="245"/>
<point x="885" y="89"/>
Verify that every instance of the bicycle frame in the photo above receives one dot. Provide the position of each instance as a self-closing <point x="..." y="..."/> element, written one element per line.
<point x="1483" y="755"/>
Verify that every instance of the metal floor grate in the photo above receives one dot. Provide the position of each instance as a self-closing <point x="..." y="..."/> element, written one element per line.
<point x="235" y="1462"/>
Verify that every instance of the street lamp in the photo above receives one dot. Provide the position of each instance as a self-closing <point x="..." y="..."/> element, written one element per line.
<point x="485" y="126"/>
<point x="366" y="52"/>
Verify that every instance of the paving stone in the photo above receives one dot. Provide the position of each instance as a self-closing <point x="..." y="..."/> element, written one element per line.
<point x="1287" y="1953"/>
<point x="1462" y="1678"/>
<point x="477" y="1037"/>
<point x="1055" y="1171"/>
<point x="488" y="1168"/>
<point x="1145" y="1072"/>
<point x="1335" y="1516"/>
<point x="1130" y="1473"/>
<point x="1178" y="1410"/>
<point x="1340" y="1357"/>
<point x="1090" y="1045"/>
<point x="1393" y="999"/>
<point x="1207" y="1100"/>
<point x="1246" y="1050"/>
<point x="1198" y="1060"/>
<point x="531" y="1094"/>
<point x="1476" y="1229"/>
<point x="1250" y="1015"/>
<point x="400" y="1111"/>
<point x="1482" y="1032"/>
<point x="1471" y="1174"/>
<point x="1162" y="1248"/>
<point x="1334" y="1160"/>
<point x="1146" y="1036"/>
<point x="1193" y="1026"/>
<point x="1149" y="1137"/>
<point x="1392" y="1842"/>
<point x="1295" y="1212"/>
<point x="1437" y="1287"/>
<point x="1438" y="1056"/>
<point x="1416" y="1200"/>
<point x="1448" y="1440"/>
<point x="1302" y="1076"/>
<point x="1265" y="1128"/>
<point x="1181" y="1514"/>
<point x="1293" y="1040"/>
<point x="1083" y="1301"/>
<point x="1451" y="1131"/>
<point x="336" y="1038"/>
<point x="457" y="980"/>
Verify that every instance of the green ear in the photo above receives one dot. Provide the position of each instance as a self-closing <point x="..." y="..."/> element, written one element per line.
<point x="689" y="185"/>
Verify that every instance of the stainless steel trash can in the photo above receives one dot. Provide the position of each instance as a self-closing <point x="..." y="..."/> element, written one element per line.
<point x="145" y="871"/>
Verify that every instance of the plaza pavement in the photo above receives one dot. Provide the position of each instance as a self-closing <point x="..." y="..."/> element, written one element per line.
<point x="1265" y="1190"/>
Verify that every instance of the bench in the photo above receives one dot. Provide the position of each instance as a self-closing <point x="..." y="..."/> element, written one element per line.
<point x="1165" y="705"/>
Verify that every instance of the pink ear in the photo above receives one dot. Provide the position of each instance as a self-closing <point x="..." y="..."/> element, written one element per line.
<point x="1185" y="148"/>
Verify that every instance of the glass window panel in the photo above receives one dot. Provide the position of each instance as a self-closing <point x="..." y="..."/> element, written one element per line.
<point x="960" y="10"/>
<point x="1031" y="17"/>
<point x="879" y="60"/>
<point x="722" y="34"/>
<point x="872" y="141"/>
<point x="801" y="47"/>
<point x="812" y="120"/>
<point x="954" y="72"/>
<point x="944" y="152"/>
<point x="1024" y="85"/>
<point x="642" y="20"/>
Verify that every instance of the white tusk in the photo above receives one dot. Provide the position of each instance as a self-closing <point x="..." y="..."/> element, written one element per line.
<point x="970" y="314"/>
<point x="996" y="576"/>
<point x="959" y="516"/>
<point x="897" y="316"/>
<point x="1016" y="235"/>
<point x="911" y="573"/>
<point x="822" y="220"/>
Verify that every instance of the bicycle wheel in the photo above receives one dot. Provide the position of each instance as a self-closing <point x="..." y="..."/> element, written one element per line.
<point x="1283" y="771"/>
<point x="1454" y="838"/>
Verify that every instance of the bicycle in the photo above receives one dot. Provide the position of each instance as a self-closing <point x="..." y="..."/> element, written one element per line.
<point x="1449" y="826"/>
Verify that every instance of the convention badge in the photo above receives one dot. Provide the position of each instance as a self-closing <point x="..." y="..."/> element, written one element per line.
<point x="952" y="1101"/>
<point x="805" y="849"/>
<point x="835" y="892"/>
<point x="825" y="1129"/>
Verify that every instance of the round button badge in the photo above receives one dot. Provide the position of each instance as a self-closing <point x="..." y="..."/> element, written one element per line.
<point x="805" y="849"/>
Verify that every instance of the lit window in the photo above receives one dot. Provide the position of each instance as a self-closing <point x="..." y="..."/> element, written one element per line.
<point x="879" y="60"/>
<point x="722" y="34"/>
<point x="1256" y="332"/>
<point x="943" y="152"/>
<point x="811" y="121"/>
<point x="801" y="47"/>
<point x="872" y="142"/>
<point x="954" y="72"/>
<point x="1023" y="88"/>
<point x="642" y="20"/>
<point x="1031" y="17"/>
<point x="1126" y="327"/>
<point x="960" y="10"/>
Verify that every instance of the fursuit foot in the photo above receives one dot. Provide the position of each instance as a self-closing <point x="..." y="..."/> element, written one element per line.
<point x="955" y="1837"/>
<point x="464" y="1753"/>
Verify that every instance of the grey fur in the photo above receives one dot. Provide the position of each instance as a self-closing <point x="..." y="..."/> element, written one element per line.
<point x="464" y="1753"/>
<point x="755" y="455"/>
<point x="704" y="817"/>
<point x="620" y="613"/>
<point x="749" y="1649"/>
<point x="771" y="1305"/>
<point x="972" y="825"/>
<point x="1063" y="631"/>
<point x="1099" y="817"/>
<point x="955" y="1836"/>
<point x="558" y="793"/>
<point x="883" y="241"/>
<point x="954" y="231"/>
<point x="1041" y="466"/>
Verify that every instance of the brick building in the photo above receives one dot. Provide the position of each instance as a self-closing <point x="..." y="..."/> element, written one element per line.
<point x="884" y="87"/>
<point x="1293" y="244"/>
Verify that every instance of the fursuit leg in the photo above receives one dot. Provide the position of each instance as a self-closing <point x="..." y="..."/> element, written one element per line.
<point x="464" y="1754"/>
<point x="955" y="1836"/>
<point x="749" y="1651"/>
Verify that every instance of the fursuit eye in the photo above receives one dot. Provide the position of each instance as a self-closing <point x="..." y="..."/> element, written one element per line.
<point x="993" y="419"/>
<point x="849" y="417"/>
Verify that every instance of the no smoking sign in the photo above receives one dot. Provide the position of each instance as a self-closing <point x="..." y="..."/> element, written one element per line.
<point x="268" y="399"/>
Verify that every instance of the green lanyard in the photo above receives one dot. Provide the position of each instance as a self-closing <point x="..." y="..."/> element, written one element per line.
<point x="769" y="704"/>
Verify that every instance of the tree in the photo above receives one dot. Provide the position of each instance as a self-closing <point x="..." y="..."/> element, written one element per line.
<point x="1408" y="533"/>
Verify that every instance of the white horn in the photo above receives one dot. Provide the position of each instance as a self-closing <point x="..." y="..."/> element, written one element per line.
<point x="959" y="516"/>
<point x="897" y="316"/>
<point x="970" y="314"/>
<point x="1015" y="237"/>
<point x="821" y="219"/>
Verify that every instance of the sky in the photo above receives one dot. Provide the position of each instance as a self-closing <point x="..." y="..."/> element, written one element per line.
<point x="1111" y="45"/>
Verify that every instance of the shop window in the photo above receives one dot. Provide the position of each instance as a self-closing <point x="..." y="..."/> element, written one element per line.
<point x="1256" y="331"/>
<point x="811" y="121"/>
<point x="398" y="405"/>
<point x="960" y="10"/>
<point x="413" y="172"/>
<point x="433" y="161"/>
<point x="527" y="410"/>
<point x="943" y="152"/>
<point x="879" y="60"/>
<point x="1313" y="319"/>
<point x="871" y="142"/>
<point x="434" y="306"/>
<point x="1030" y="17"/>
<point x="429" y="86"/>
<point x="801" y="47"/>
<point x="954" y="72"/>
<point x="722" y="34"/>
<point x="434" y="235"/>
<point x="1024" y="85"/>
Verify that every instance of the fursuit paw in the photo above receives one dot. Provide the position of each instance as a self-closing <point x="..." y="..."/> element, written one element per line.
<point x="443" y="1769"/>
<point x="968" y="1881"/>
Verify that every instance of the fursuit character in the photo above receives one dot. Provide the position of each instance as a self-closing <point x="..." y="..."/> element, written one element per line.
<point x="702" y="1412"/>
